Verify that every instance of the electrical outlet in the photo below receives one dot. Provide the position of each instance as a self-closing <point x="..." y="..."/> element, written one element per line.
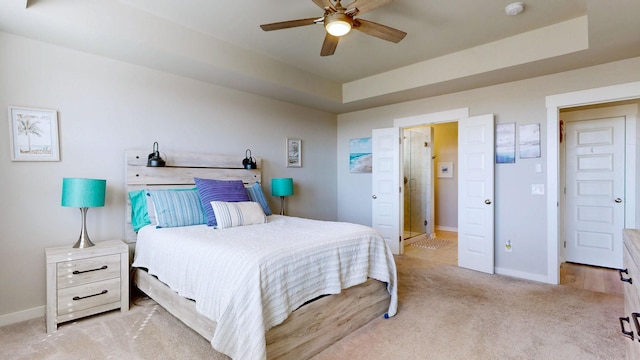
<point x="507" y="246"/>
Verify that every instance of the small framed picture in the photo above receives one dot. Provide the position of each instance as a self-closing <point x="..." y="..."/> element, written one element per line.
<point x="506" y="143"/>
<point x="34" y="134"/>
<point x="445" y="169"/>
<point x="294" y="152"/>
<point x="529" y="141"/>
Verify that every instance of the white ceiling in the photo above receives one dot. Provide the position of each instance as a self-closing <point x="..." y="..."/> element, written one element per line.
<point x="221" y="42"/>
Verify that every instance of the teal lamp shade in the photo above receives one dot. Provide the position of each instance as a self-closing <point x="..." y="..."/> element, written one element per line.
<point x="83" y="194"/>
<point x="282" y="187"/>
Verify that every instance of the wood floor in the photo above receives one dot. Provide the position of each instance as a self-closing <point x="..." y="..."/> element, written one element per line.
<point x="591" y="278"/>
<point x="586" y="277"/>
<point x="447" y="254"/>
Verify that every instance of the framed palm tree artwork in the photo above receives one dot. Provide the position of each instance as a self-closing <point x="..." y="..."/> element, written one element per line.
<point x="34" y="134"/>
<point x="294" y="152"/>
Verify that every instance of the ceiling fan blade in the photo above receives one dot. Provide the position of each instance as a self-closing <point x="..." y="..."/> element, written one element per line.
<point x="322" y="4"/>
<point x="367" y="5"/>
<point x="288" y="24"/>
<point x="329" y="45"/>
<point x="378" y="30"/>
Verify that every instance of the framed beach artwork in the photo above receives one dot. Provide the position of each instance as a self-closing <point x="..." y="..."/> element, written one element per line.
<point x="294" y="152"/>
<point x="360" y="160"/>
<point x="506" y="143"/>
<point x="529" y="141"/>
<point x="34" y="134"/>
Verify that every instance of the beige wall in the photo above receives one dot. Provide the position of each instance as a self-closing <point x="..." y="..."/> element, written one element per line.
<point x="107" y="106"/>
<point x="446" y="189"/>
<point x="519" y="215"/>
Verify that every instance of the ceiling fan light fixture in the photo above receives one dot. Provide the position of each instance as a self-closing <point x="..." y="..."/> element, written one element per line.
<point x="338" y="24"/>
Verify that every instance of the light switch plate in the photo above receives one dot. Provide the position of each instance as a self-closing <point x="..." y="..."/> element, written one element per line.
<point x="538" y="168"/>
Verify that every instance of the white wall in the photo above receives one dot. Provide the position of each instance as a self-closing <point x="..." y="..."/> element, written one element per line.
<point x="520" y="216"/>
<point x="106" y="106"/>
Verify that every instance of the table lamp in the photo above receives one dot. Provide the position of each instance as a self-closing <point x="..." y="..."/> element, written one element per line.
<point x="282" y="187"/>
<point x="83" y="194"/>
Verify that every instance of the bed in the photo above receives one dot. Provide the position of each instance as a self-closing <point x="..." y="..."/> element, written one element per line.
<point x="338" y="276"/>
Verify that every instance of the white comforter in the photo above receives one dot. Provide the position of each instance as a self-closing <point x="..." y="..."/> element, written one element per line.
<point x="250" y="278"/>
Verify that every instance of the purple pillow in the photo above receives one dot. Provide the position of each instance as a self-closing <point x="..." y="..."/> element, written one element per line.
<point x="219" y="190"/>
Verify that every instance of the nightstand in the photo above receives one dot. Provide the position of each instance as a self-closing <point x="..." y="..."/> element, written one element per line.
<point x="83" y="282"/>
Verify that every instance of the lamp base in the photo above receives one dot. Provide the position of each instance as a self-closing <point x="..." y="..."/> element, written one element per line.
<point x="281" y="205"/>
<point x="83" y="240"/>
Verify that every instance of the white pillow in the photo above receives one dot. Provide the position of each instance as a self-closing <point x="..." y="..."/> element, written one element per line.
<point x="230" y="214"/>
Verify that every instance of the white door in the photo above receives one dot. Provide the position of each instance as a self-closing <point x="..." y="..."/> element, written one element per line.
<point x="385" y="210"/>
<point x="595" y="195"/>
<point x="476" y="153"/>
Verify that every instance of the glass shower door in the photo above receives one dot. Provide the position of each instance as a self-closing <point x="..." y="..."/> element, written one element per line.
<point x="418" y="181"/>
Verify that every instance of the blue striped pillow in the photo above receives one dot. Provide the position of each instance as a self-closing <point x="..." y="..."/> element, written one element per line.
<point x="256" y="194"/>
<point x="177" y="207"/>
<point x="219" y="190"/>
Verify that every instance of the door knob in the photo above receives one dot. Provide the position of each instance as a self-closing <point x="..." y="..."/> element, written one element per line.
<point x="374" y="197"/>
<point x="488" y="202"/>
<point x="618" y="200"/>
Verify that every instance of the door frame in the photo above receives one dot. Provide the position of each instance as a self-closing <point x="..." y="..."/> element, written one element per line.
<point x="448" y="116"/>
<point x="554" y="103"/>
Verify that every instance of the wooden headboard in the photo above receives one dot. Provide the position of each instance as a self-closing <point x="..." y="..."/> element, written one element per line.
<point x="179" y="172"/>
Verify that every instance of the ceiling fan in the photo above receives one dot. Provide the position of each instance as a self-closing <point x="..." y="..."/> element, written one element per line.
<point x="339" y="20"/>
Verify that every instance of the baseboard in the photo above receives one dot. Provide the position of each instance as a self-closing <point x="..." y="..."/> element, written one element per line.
<point x="23" y="315"/>
<point x="446" y="228"/>
<point x="522" y="275"/>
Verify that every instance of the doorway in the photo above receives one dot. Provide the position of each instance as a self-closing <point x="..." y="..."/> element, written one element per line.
<point x="430" y="201"/>
<point x="476" y="151"/>
<point x="592" y="160"/>
<point x="554" y="104"/>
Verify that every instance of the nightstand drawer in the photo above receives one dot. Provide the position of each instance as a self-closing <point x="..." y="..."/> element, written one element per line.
<point x="78" y="298"/>
<point x="79" y="272"/>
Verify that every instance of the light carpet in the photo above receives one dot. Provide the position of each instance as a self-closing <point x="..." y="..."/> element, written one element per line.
<point x="445" y="313"/>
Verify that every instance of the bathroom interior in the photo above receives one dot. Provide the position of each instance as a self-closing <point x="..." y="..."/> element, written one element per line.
<point x="430" y="155"/>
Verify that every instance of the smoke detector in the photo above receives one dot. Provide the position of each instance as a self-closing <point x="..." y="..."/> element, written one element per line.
<point x="514" y="8"/>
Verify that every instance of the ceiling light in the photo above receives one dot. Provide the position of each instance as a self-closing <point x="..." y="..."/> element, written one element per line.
<point x="514" y="8"/>
<point x="337" y="24"/>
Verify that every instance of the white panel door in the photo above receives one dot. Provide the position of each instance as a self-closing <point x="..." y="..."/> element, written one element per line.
<point x="595" y="191"/>
<point x="385" y="209"/>
<point x="476" y="153"/>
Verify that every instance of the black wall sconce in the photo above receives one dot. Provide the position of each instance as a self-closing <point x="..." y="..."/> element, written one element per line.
<point x="249" y="162"/>
<point x="155" y="160"/>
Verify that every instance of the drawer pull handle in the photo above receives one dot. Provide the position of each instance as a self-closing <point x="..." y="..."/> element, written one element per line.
<point x="622" y="278"/>
<point x="636" y="322"/>
<point x="628" y="334"/>
<point x="76" y="298"/>
<point x="104" y="267"/>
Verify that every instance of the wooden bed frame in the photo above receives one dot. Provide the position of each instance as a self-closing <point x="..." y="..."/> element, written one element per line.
<point x="309" y="329"/>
